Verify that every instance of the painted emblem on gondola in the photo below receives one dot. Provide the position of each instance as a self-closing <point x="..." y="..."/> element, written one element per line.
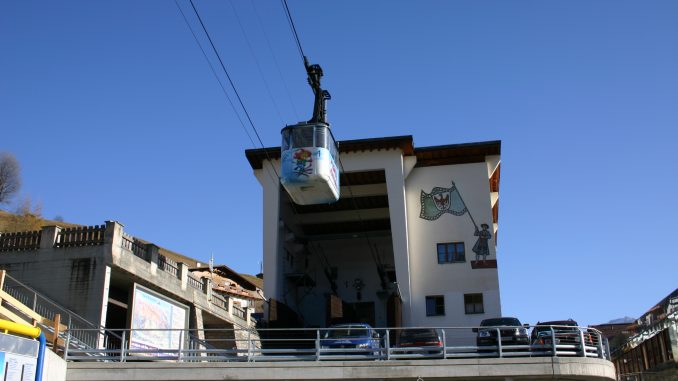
<point x="303" y="162"/>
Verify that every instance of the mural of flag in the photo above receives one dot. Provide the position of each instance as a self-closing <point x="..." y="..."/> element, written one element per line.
<point x="441" y="201"/>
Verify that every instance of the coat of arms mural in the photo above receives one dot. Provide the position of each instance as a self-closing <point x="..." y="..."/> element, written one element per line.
<point x="442" y="201"/>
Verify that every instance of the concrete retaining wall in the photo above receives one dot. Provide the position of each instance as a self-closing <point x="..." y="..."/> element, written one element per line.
<point x="544" y="368"/>
<point x="54" y="368"/>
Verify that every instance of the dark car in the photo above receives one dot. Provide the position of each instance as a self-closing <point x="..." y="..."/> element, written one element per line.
<point x="426" y="340"/>
<point x="510" y="329"/>
<point x="566" y="333"/>
<point x="359" y="338"/>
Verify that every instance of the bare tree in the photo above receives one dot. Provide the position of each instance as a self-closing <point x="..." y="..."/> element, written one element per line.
<point x="10" y="176"/>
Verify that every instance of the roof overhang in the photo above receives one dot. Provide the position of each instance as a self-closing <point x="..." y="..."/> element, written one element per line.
<point x="257" y="156"/>
<point x="426" y="156"/>
<point x="456" y="153"/>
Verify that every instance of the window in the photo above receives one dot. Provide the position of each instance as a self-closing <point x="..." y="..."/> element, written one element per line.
<point x="451" y="252"/>
<point x="473" y="303"/>
<point x="435" y="305"/>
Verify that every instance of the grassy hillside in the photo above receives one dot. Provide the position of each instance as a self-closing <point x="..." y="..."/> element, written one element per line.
<point x="10" y="222"/>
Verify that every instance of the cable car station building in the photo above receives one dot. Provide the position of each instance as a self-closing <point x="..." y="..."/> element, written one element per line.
<point x="410" y="242"/>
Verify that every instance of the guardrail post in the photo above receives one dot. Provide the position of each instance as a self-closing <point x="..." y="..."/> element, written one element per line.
<point x="582" y="343"/>
<point x="153" y="251"/>
<point x="600" y="345"/>
<point x="68" y="342"/>
<point x="249" y="344"/>
<point x="182" y="274"/>
<point x="57" y="324"/>
<point x="387" y="344"/>
<point x="207" y="287"/>
<point x="553" y="342"/>
<point x="180" y="349"/>
<point x="123" y="345"/>
<point x="317" y="345"/>
<point x="444" y="345"/>
<point x="499" y="342"/>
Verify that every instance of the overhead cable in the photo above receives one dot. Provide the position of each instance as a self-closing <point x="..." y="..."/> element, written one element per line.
<point x="294" y="29"/>
<point x="256" y="61"/>
<point x="235" y="90"/>
<point x="214" y="72"/>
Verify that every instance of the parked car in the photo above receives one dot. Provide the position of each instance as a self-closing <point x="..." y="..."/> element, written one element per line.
<point x="566" y="333"/>
<point x="511" y="330"/>
<point x="429" y="339"/>
<point x="359" y="337"/>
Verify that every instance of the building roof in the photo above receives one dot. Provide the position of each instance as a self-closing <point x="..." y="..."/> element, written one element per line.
<point x="231" y="274"/>
<point x="255" y="280"/>
<point x="457" y="153"/>
<point x="426" y="156"/>
<point x="660" y="309"/>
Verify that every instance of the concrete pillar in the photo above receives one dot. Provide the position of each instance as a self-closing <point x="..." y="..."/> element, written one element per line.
<point x="48" y="236"/>
<point x="198" y="325"/>
<point x="248" y="316"/>
<point x="153" y="252"/>
<point x="397" y="204"/>
<point x="396" y="169"/>
<point x="673" y="340"/>
<point x="182" y="273"/>
<point x="207" y="287"/>
<point x="662" y="348"/>
<point x="643" y="354"/>
<point x="272" y="262"/>
<point x="230" y="306"/>
<point x="113" y="234"/>
<point x="104" y="304"/>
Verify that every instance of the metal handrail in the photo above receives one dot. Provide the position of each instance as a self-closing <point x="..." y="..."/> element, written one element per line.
<point x="47" y="308"/>
<point x="286" y="344"/>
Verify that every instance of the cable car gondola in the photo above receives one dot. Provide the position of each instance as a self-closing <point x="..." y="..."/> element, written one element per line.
<point x="308" y="152"/>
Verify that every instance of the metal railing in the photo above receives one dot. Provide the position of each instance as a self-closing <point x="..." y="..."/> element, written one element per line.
<point x="82" y="332"/>
<point x="322" y="344"/>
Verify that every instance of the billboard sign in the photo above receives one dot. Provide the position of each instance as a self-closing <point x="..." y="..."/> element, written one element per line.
<point x="156" y="321"/>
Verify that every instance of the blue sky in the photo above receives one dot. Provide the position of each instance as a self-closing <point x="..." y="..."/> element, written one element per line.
<point x="114" y="114"/>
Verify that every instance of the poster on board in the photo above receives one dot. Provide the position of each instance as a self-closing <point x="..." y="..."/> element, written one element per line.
<point x="156" y="321"/>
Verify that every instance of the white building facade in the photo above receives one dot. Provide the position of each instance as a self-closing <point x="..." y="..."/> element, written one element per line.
<point x="411" y="241"/>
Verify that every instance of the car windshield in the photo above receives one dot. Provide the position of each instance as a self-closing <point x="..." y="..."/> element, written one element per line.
<point x="500" y="322"/>
<point x="418" y="334"/>
<point x="347" y="332"/>
<point x="546" y="326"/>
